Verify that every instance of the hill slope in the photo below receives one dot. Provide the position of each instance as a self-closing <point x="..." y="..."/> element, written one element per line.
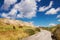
<point x="15" y="29"/>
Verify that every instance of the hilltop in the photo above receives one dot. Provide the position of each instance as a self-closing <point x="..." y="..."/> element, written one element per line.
<point x="15" y="22"/>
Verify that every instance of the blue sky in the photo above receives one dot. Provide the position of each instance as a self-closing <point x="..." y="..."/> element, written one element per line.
<point x="38" y="12"/>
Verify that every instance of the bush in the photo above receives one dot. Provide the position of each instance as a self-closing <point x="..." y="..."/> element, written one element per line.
<point x="37" y="29"/>
<point x="30" y="31"/>
<point x="57" y="33"/>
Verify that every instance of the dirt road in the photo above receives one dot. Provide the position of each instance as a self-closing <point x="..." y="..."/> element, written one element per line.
<point x="43" y="35"/>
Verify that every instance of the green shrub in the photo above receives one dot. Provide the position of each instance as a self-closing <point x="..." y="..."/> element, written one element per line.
<point x="37" y="29"/>
<point x="30" y="31"/>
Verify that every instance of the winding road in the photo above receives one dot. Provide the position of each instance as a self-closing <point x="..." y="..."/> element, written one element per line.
<point x="43" y="35"/>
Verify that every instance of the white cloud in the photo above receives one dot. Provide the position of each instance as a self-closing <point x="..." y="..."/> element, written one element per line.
<point x="5" y="15"/>
<point x="58" y="20"/>
<point x="7" y="4"/>
<point x="10" y="1"/>
<point x="11" y="15"/>
<point x="58" y="16"/>
<point x="44" y="8"/>
<point x="38" y="0"/>
<point x="52" y="24"/>
<point x="27" y="9"/>
<point x="12" y="12"/>
<point x="53" y="11"/>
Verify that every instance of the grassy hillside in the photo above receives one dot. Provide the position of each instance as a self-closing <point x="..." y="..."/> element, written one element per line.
<point x="14" y="30"/>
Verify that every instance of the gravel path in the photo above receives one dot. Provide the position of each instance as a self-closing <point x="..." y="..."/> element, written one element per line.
<point x="43" y="35"/>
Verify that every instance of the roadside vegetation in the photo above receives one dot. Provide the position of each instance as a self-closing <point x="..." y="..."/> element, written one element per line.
<point x="55" y="30"/>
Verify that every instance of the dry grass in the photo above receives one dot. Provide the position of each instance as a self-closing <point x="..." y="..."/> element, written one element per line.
<point x="15" y="31"/>
<point x="7" y="32"/>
